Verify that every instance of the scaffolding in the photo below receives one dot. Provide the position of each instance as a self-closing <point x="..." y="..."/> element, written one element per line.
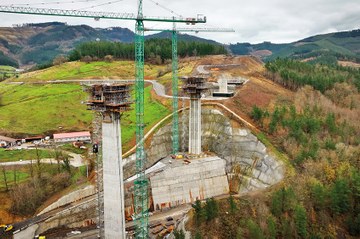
<point x="194" y="87"/>
<point x="110" y="100"/>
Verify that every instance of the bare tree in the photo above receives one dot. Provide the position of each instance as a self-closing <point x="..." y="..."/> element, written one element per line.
<point x="15" y="183"/>
<point x="59" y="60"/>
<point x="58" y="157"/>
<point x="38" y="161"/>
<point x="5" y="178"/>
<point x="108" y="58"/>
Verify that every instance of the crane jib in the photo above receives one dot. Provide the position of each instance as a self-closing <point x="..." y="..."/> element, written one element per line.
<point x="96" y="15"/>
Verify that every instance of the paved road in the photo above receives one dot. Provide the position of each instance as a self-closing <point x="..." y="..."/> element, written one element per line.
<point x="76" y="161"/>
<point x="158" y="88"/>
<point x="27" y="233"/>
<point x="201" y="68"/>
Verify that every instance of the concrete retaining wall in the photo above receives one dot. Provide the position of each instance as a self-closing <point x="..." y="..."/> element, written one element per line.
<point x="81" y="215"/>
<point x="248" y="163"/>
<point x="71" y="197"/>
<point x="185" y="183"/>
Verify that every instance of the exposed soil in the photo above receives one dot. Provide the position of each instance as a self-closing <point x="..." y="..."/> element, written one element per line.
<point x="5" y="204"/>
<point x="349" y="63"/>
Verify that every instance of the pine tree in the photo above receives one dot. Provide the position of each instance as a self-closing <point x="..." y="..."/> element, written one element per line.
<point x="232" y="203"/>
<point x="198" y="212"/>
<point x="211" y="209"/>
<point x="340" y="201"/>
<point x="198" y="235"/>
<point x="271" y="226"/>
<point x="179" y="234"/>
<point x="300" y="221"/>
<point x="254" y="230"/>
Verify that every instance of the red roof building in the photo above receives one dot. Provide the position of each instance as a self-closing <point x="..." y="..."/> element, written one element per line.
<point x="72" y="137"/>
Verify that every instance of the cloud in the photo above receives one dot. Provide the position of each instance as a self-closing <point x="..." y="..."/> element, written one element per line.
<point x="254" y="21"/>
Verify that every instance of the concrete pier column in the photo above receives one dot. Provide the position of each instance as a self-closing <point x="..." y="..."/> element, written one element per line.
<point x="195" y="127"/>
<point x="114" y="215"/>
<point x="223" y="85"/>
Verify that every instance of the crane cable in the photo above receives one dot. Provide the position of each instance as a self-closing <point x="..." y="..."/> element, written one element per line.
<point x="102" y="4"/>
<point x="50" y="3"/>
<point x="166" y="8"/>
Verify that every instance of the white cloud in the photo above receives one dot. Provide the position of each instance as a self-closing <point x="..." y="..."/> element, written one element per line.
<point x="254" y="21"/>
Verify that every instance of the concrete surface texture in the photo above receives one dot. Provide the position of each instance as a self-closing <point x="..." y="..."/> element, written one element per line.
<point x="182" y="183"/>
<point x="223" y="85"/>
<point x="195" y="127"/>
<point x="79" y="215"/>
<point x="71" y="197"/>
<point x="114" y="217"/>
<point x="249" y="165"/>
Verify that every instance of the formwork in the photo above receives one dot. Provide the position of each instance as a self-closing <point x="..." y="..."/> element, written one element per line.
<point x="194" y="87"/>
<point x="111" y="100"/>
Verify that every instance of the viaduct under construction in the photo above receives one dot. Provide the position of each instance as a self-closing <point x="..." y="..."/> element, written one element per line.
<point x="111" y="100"/>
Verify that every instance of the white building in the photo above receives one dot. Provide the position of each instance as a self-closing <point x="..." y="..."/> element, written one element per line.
<point x="6" y="141"/>
<point x="72" y="137"/>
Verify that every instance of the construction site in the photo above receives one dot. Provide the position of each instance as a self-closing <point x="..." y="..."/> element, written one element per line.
<point x="202" y="150"/>
<point x="216" y="153"/>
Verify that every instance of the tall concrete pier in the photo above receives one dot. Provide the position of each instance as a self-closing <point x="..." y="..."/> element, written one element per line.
<point x="223" y="85"/>
<point x="110" y="101"/>
<point x="194" y="86"/>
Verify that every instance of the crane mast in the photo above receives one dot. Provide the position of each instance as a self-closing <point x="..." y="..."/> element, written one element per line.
<point x="141" y="183"/>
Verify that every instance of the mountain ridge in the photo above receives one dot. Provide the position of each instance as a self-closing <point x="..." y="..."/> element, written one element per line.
<point x="322" y="48"/>
<point x="39" y="43"/>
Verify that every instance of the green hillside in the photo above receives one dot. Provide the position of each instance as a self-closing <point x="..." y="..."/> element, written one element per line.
<point x="38" y="44"/>
<point x="326" y="48"/>
<point x="42" y="109"/>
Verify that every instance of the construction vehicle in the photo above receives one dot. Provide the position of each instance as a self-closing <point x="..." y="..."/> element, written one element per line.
<point x="6" y="228"/>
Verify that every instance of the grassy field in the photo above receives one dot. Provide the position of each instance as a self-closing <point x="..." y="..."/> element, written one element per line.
<point x="59" y="105"/>
<point x="82" y="70"/>
<point x="70" y="148"/>
<point x="154" y="112"/>
<point x="23" y="154"/>
<point x="21" y="176"/>
<point x="42" y="109"/>
<point x="9" y="69"/>
<point x="184" y="69"/>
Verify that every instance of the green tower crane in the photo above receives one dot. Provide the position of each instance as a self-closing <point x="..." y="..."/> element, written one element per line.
<point x="141" y="183"/>
<point x="174" y="38"/>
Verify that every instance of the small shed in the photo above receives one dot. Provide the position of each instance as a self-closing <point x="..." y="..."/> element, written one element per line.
<point x="83" y="136"/>
<point x="6" y="141"/>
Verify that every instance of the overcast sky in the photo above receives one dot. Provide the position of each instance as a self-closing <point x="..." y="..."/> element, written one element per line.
<point x="253" y="20"/>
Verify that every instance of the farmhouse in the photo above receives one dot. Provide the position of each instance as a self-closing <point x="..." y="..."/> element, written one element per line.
<point x="72" y="137"/>
<point x="6" y="141"/>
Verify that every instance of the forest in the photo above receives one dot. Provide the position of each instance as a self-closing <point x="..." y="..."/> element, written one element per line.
<point x="319" y="132"/>
<point x="294" y="74"/>
<point x="156" y="50"/>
